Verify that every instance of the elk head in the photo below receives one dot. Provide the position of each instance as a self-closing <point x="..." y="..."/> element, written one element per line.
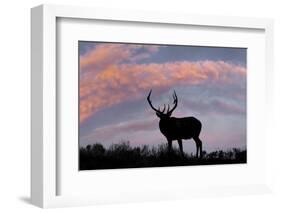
<point x="162" y="114"/>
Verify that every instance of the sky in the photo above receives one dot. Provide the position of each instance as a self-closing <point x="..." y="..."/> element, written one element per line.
<point x="115" y="79"/>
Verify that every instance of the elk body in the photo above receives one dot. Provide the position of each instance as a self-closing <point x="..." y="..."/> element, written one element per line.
<point x="178" y="128"/>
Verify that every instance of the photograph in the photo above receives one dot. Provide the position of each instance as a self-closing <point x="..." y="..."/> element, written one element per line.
<point x="143" y="107"/>
<point x="161" y="105"/>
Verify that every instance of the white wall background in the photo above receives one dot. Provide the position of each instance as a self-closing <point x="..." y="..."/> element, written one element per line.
<point x="15" y="98"/>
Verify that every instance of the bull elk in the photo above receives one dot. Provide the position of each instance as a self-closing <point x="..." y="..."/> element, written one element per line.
<point x="178" y="128"/>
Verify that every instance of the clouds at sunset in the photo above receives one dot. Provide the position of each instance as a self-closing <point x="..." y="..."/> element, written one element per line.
<point x="124" y="128"/>
<point x="108" y="54"/>
<point x="117" y="82"/>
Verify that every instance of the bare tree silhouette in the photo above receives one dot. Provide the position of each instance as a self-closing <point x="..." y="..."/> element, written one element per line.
<point x="178" y="128"/>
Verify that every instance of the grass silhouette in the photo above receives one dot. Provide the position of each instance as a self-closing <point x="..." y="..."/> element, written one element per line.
<point x="122" y="155"/>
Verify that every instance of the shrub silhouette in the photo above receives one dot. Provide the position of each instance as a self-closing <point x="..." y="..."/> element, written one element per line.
<point x="122" y="155"/>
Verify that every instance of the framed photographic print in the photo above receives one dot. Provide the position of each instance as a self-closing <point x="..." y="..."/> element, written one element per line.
<point x="148" y="105"/>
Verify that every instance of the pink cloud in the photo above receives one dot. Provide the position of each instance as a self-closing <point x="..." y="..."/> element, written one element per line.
<point x="108" y="54"/>
<point x="117" y="83"/>
<point x="134" y="126"/>
<point x="214" y="106"/>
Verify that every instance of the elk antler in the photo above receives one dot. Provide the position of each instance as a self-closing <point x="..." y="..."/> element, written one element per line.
<point x="169" y="112"/>
<point x="175" y="104"/>
<point x="149" y="101"/>
<point x="163" y="111"/>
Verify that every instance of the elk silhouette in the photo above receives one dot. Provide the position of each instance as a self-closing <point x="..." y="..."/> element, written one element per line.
<point x="178" y="128"/>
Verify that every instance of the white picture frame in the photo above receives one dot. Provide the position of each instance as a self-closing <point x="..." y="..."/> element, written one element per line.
<point x="44" y="150"/>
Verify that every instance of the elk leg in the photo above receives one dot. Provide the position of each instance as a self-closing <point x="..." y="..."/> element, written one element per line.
<point x="169" y="145"/>
<point x="180" y="145"/>
<point x="198" y="146"/>
<point x="197" y="149"/>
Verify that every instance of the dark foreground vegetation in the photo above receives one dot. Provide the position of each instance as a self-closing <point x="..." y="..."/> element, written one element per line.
<point x="122" y="155"/>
